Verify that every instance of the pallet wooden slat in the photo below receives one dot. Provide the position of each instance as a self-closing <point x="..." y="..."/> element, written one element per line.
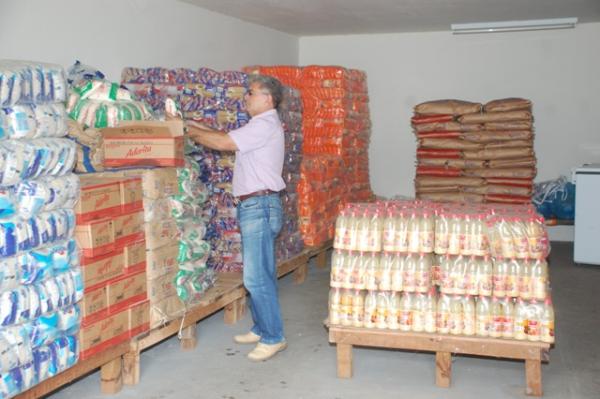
<point x="444" y="346"/>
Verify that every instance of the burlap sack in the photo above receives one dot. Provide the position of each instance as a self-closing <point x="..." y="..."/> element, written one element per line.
<point x="509" y="144"/>
<point x="507" y="104"/>
<point x="448" y="107"/>
<point x="512" y="163"/>
<point x="440" y="135"/>
<point x="521" y="173"/>
<point x="436" y="153"/>
<point x="426" y="181"/>
<point x="505" y="153"/>
<point x="438" y="171"/>
<point x="451" y="144"/>
<point x="437" y="189"/>
<point x="451" y="197"/>
<point x="515" y="125"/>
<point x="497" y="135"/>
<point x="498" y="189"/>
<point x="447" y="127"/>
<point x="496" y="117"/>
<point x="419" y="119"/>
<point x="451" y="163"/>
<point x="510" y="182"/>
<point x="507" y="199"/>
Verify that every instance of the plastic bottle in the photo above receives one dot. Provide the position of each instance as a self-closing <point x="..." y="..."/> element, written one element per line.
<point x="389" y="231"/>
<point x="547" y="327"/>
<point x="485" y="276"/>
<point x="497" y="325"/>
<point x="520" y="320"/>
<point x="418" y="312"/>
<point x="483" y="320"/>
<point x="467" y="235"/>
<point x="383" y="301"/>
<point x="535" y="235"/>
<point x="393" y="315"/>
<point x="456" y="315"/>
<point x="426" y="232"/>
<point x="539" y="279"/>
<point x="370" y="313"/>
<point x="352" y="232"/>
<point x="346" y="307"/>
<point x="370" y="269"/>
<point x="443" y="314"/>
<point x="363" y="230"/>
<point x="337" y="268"/>
<point x="446" y="285"/>
<point x="410" y="267"/>
<point x="401" y="232"/>
<point x="509" y="313"/>
<point x="506" y="238"/>
<point x="358" y="308"/>
<point x="335" y="302"/>
<point x="534" y="316"/>
<point x="454" y="235"/>
<point x="422" y="273"/>
<point x="376" y="232"/>
<point x="441" y="234"/>
<point x="406" y="312"/>
<point x="468" y="305"/>
<point x="472" y="276"/>
<point x="525" y="279"/>
<point x="512" y="278"/>
<point x="341" y="229"/>
<point x="397" y="262"/>
<point x="430" y="311"/>
<point x="499" y="278"/>
<point x="520" y="240"/>
<point x="479" y="245"/>
<point x="413" y="233"/>
<point x="460" y="275"/>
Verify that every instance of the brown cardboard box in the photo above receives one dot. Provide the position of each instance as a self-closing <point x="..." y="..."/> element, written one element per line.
<point x="90" y="336"/>
<point x="100" y="197"/>
<point x="101" y="268"/>
<point x="126" y="290"/>
<point x="139" y="315"/>
<point x="165" y="310"/>
<point x="161" y="233"/>
<point x="144" y="143"/>
<point x="93" y="301"/>
<point x="156" y="183"/>
<point x="161" y="287"/>
<point x="161" y="261"/>
<point x="96" y="237"/>
<point x="131" y="194"/>
<point x="129" y="227"/>
<point x="114" y="325"/>
<point x="134" y="256"/>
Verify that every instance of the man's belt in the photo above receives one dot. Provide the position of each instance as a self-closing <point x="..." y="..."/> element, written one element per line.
<point x="258" y="193"/>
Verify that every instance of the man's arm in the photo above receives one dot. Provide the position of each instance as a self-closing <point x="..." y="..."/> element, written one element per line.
<point x="210" y="138"/>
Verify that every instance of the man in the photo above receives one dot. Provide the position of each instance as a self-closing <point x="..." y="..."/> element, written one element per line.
<point x="257" y="180"/>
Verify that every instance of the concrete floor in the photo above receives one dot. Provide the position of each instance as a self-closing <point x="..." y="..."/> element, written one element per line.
<point x="219" y="369"/>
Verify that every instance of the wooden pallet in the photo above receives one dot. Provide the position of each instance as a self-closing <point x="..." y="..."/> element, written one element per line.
<point x="299" y="263"/>
<point x="443" y="345"/>
<point x="109" y="362"/>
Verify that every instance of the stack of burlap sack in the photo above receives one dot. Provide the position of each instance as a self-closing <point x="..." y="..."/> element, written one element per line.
<point x="473" y="152"/>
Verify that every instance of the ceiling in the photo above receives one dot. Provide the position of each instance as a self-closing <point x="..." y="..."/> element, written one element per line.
<point x="337" y="17"/>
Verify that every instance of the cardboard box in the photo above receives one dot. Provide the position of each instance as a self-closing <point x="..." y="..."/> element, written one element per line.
<point x="101" y="334"/>
<point x="134" y="256"/>
<point x="93" y="302"/>
<point x="100" y="198"/>
<point x="139" y="318"/>
<point x="156" y="183"/>
<point x="144" y="143"/>
<point x="100" y="269"/>
<point x="90" y="336"/>
<point x="161" y="287"/>
<point x="131" y="194"/>
<point x="165" y="310"/>
<point x="161" y="261"/>
<point x="126" y="290"/>
<point x="96" y="237"/>
<point x="129" y="228"/>
<point x="161" y="233"/>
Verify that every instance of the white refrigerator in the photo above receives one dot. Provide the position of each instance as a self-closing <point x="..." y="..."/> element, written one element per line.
<point x="587" y="214"/>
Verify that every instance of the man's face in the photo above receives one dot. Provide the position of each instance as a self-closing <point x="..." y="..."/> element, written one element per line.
<point x="258" y="100"/>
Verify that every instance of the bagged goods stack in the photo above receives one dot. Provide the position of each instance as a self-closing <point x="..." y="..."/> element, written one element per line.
<point x="336" y="130"/>
<point x="215" y="99"/>
<point x="40" y="278"/>
<point x="473" y="152"/>
<point x="289" y="242"/>
<point x="488" y="263"/>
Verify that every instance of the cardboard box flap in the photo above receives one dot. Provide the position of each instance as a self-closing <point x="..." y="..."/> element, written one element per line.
<point x="144" y="129"/>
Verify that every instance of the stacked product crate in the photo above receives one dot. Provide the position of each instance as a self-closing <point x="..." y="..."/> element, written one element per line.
<point x="428" y="267"/>
<point x="474" y="152"/>
<point x="40" y="278"/>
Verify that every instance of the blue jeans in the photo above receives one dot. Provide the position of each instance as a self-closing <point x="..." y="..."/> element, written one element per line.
<point x="260" y="221"/>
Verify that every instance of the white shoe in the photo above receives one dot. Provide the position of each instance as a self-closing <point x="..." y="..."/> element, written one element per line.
<point x="264" y="352"/>
<point x="248" y="338"/>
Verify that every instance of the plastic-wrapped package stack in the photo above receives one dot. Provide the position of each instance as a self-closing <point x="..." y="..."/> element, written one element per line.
<point x="336" y="129"/>
<point x="289" y="242"/>
<point x="487" y="261"/>
<point x="215" y="99"/>
<point x="473" y="152"/>
<point x="40" y="278"/>
<point x="95" y="103"/>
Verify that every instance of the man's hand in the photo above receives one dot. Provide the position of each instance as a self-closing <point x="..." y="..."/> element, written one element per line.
<point x="211" y="138"/>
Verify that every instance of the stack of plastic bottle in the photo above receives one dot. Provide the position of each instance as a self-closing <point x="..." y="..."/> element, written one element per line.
<point x="474" y="152"/>
<point x="215" y="99"/>
<point x="336" y="130"/>
<point x="289" y="242"/>
<point x="40" y="278"/>
<point x="488" y="261"/>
